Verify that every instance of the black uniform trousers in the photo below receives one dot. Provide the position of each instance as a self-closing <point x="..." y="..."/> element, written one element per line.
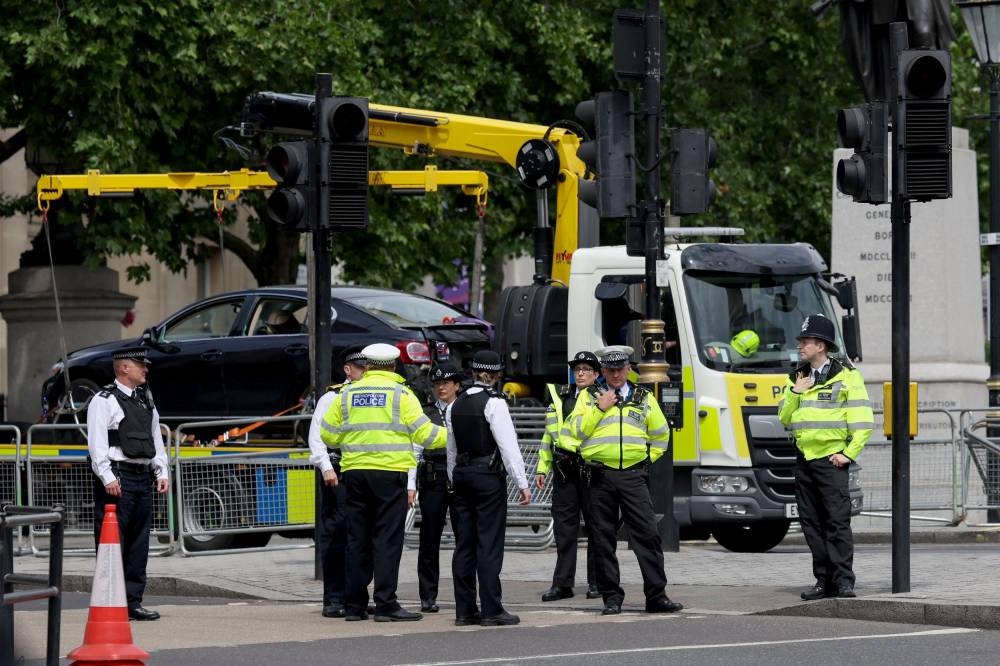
<point x="333" y="542"/>
<point x="570" y="498"/>
<point x="480" y="523"/>
<point x="376" y="518"/>
<point x="825" y="516"/>
<point x="135" y="515"/>
<point x="435" y="503"/>
<point x="611" y="491"/>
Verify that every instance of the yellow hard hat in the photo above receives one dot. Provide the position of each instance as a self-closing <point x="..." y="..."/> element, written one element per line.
<point x="745" y="343"/>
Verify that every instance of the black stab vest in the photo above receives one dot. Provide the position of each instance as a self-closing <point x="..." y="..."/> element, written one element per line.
<point x="135" y="432"/>
<point x="470" y="427"/>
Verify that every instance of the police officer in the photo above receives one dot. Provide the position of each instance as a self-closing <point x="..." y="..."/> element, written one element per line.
<point x="482" y="450"/>
<point x="333" y="534"/>
<point x="569" y="489"/>
<point x="375" y="422"/>
<point x="432" y="486"/>
<point x="622" y="430"/>
<point x="126" y="452"/>
<point x="826" y="407"/>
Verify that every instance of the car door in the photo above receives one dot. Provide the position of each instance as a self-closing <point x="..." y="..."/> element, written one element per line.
<point x="188" y="361"/>
<point x="267" y="362"/>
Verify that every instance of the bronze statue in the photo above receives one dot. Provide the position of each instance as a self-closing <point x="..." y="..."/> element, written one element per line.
<point x="864" y="32"/>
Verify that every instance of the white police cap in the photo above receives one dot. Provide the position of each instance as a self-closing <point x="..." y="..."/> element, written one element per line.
<point x="380" y="353"/>
<point x="615" y="356"/>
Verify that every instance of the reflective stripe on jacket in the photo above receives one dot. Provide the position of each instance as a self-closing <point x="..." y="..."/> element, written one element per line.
<point x="834" y="416"/>
<point x="624" y="435"/>
<point x="376" y="421"/>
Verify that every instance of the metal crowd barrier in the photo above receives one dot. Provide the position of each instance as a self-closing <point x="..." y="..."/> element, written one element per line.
<point x="935" y="472"/>
<point x="245" y="494"/>
<point x="60" y="474"/>
<point x="12" y="519"/>
<point x="529" y="528"/>
<point x="10" y="477"/>
<point x="980" y="491"/>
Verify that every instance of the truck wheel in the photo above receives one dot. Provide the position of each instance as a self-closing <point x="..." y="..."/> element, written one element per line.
<point x="756" y="538"/>
<point x="251" y="540"/>
<point x="204" y="510"/>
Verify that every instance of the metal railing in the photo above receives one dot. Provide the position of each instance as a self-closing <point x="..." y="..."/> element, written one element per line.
<point x="10" y="477"/>
<point x="60" y="474"/>
<point x="13" y="518"/>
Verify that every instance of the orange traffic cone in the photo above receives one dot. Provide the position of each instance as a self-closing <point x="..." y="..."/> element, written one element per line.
<point x="108" y="637"/>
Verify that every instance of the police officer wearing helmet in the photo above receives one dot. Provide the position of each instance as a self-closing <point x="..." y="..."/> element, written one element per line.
<point x="482" y="451"/>
<point x="375" y="423"/>
<point x="826" y="407"/>
<point x="432" y="486"/>
<point x="569" y="488"/>
<point x="126" y="455"/>
<point x="332" y="542"/>
<point x="745" y="343"/>
<point x="622" y="430"/>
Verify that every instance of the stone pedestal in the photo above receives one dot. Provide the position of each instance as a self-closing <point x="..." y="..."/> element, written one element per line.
<point x="92" y="308"/>
<point x="947" y="345"/>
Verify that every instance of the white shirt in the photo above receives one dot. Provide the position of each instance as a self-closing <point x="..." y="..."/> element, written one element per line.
<point x="104" y="414"/>
<point x="318" y="453"/>
<point x="502" y="428"/>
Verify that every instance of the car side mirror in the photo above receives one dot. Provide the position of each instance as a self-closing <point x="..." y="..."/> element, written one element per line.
<point x="151" y="338"/>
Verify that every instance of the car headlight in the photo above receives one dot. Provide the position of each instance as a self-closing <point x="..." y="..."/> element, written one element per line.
<point x="723" y="484"/>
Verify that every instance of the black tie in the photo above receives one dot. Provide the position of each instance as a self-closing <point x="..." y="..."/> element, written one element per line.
<point x="618" y="396"/>
<point x="816" y="376"/>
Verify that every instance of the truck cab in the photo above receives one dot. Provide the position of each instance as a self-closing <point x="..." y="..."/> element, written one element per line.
<point x="733" y="459"/>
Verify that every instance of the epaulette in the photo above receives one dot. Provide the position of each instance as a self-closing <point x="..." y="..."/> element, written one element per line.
<point x="335" y="387"/>
<point x="107" y="391"/>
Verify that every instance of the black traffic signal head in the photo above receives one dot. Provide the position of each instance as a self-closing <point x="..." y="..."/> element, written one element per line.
<point x="293" y="199"/>
<point x="342" y="126"/>
<point x="609" y="154"/>
<point x="864" y="175"/>
<point x="922" y="126"/>
<point x="693" y="153"/>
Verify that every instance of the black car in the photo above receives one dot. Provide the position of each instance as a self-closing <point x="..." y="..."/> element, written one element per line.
<point x="246" y="353"/>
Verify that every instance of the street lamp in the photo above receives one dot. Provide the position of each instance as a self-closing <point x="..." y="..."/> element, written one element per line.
<point x="982" y="19"/>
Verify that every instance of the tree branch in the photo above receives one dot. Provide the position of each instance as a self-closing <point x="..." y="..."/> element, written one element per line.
<point x="241" y="248"/>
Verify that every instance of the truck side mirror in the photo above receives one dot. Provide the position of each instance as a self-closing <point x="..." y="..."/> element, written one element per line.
<point x="611" y="291"/>
<point x="851" y="327"/>
<point x="847" y="293"/>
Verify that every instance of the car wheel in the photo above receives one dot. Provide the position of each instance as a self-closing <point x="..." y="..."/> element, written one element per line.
<point x="71" y="408"/>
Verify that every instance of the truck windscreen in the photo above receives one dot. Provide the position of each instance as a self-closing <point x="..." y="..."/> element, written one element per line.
<point x="748" y="323"/>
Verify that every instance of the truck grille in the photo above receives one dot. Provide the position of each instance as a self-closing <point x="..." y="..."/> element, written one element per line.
<point x="772" y="451"/>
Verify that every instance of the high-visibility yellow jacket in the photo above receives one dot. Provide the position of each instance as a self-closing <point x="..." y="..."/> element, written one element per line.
<point x="623" y="436"/>
<point x="833" y="416"/>
<point x="554" y="436"/>
<point x="375" y="421"/>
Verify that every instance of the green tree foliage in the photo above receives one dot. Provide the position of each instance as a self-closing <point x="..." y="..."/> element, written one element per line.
<point x="143" y="86"/>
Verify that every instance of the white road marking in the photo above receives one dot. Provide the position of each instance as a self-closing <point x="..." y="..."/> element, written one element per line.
<point x="678" y="648"/>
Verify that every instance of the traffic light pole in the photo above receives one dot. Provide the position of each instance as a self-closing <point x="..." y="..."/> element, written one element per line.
<point x="319" y="290"/>
<point x="900" y="262"/>
<point x="993" y="383"/>
<point x="653" y="363"/>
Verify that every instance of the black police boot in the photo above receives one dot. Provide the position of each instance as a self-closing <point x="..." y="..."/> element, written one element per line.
<point x="142" y="614"/>
<point x="398" y="615"/>
<point x="555" y="593"/>
<point x="664" y="605"/>
<point x="334" y="610"/>
<point x="466" y="620"/>
<point x="500" y="619"/>
<point x="593" y="592"/>
<point x="429" y="606"/>
<point x="845" y="589"/>
<point x="818" y="591"/>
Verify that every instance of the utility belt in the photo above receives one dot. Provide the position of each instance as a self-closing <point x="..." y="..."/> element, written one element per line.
<point x="594" y="471"/>
<point x="335" y="461"/>
<point x="131" y="468"/>
<point x="492" y="462"/>
<point x="433" y="469"/>
<point x="567" y="463"/>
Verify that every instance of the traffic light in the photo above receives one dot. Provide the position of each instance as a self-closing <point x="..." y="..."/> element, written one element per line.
<point x="609" y="154"/>
<point x="864" y="176"/>
<point x="342" y="125"/>
<point x="693" y="153"/>
<point x="292" y="203"/>
<point x="922" y="125"/>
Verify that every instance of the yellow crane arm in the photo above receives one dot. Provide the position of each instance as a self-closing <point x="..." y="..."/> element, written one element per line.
<point x="228" y="185"/>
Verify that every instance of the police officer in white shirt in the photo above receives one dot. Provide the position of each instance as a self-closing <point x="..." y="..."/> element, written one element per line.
<point x="482" y="451"/>
<point x="126" y="454"/>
